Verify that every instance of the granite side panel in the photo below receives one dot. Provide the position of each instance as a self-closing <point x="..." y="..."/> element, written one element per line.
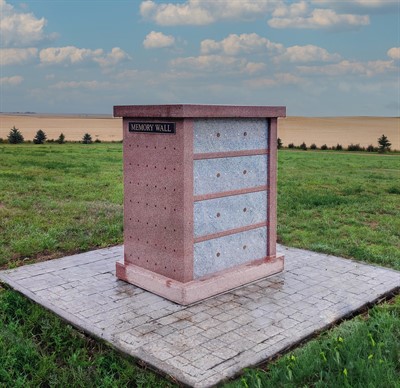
<point x="222" y="135"/>
<point x="226" y="252"/>
<point x="221" y="214"/>
<point x="155" y="231"/>
<point x="226" y="174"/>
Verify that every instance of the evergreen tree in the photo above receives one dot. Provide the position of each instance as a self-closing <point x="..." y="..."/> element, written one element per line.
<point x="303" y="146"/>
<point x="40" y="137"/>
<point x="87" y="139"/>
<point x="280" y="144"/>
<point x="15" y="136"/>
<point x="384" y="144"/>
<point x="61" y="139"/>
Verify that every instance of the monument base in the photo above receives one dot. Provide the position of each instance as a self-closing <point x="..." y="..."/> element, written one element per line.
<point x="202" y="288"/>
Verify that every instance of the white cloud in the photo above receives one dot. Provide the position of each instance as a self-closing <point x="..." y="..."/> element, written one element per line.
<point x="277" y="80"/>
<point x="16" y="56"/>
<point x="74" y="55"/>
<point x="116" y="56"/>
<point x="235" y="44"/>
<point x="158" y="40"/>
<point x="19" y="29"/>
<point x="292" y="11"/>
<point x="79" y="85"/>
<point x="346" y="67"/>
<point x="201" y="12"/>
<point x="319" y="18"/>
<point x="210" y="63"/>
<point x="14" y="80"/>
<point x="366" y="4"/>
<point x="67" y="55"/>
<point x="254" y="67"/>
<point x="394" y="53"/>
<point x="308" y="53"/>
<point x="217" y="63"/>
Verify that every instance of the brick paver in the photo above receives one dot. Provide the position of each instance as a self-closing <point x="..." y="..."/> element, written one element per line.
<point x="202" y="344"/>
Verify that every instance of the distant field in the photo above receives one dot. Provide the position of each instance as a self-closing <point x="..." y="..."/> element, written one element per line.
<point x="326" y="130"/>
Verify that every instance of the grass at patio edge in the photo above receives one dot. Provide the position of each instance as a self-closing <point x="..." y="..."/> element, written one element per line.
<point x="39" y="349"/>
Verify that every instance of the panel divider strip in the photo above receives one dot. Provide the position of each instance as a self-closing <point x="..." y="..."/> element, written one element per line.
<point x="204" y="197"/>
<point x="230" y="231"/>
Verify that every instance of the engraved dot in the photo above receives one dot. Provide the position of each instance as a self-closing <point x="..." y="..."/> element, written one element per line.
<point x="244" y="246"/>
<point x="165" y="168"/>
<point x="174" y="230"/>
<point x="137" y="146"/>
<point x="244" y="172"/>
<point x="245" y="209"/>
<point x="218" y="254"/>
<point x="155" y="147"/>
<point x="165" y="148"/>
<point x="155" y="205"/>
<point x="218" y="175"/>
<point x="138" y="165"/>
<point x="147" y="146"/>
<point x="218" y="134"/>
<point x="218" y="214"/>
<point x="245" y="134"/>
<point x="155" y="186"/>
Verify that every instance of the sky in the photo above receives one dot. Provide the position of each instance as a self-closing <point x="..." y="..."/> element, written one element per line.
<point x="316" y="57"/>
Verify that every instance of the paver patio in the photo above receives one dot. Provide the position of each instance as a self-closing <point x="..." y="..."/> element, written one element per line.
<point x="204" y="343"/>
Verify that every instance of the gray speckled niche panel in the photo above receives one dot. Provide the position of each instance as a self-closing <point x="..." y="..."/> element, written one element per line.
<point x="220" y="214"/>
<point x="226" y="174"/>
<point x="222" y="135"/>
<point x="229" y="251"/>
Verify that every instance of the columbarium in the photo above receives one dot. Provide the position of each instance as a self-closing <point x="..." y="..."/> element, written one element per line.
<point x="199" y="198"/>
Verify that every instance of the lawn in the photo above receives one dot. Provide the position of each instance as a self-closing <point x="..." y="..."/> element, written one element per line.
<point x="59" y="199"/>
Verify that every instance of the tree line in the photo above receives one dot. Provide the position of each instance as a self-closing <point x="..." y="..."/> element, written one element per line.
<point x="15" y="137"/>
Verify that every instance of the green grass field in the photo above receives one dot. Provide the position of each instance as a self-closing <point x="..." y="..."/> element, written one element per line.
<point x="59" y="199"/>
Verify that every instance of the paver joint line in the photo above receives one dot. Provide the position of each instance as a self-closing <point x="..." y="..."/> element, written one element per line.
<point x="205" y="343"/>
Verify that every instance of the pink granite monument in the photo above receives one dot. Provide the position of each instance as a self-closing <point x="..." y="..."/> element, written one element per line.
<point x="199" y="198"/>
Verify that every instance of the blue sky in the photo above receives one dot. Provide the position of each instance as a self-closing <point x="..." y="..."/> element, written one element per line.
<point x="317" y="57"/>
